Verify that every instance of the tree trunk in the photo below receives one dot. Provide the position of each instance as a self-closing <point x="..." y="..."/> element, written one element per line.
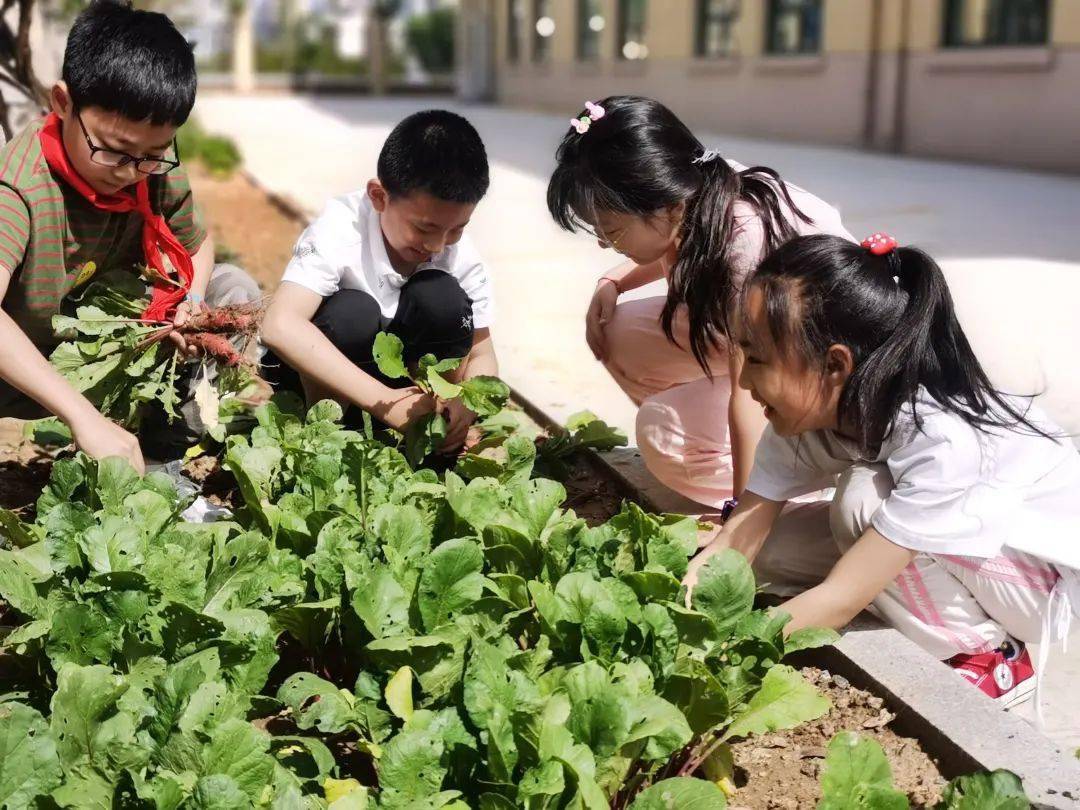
<point x="377" y="52"/>
<point x="243" y="51"/>
<point x="24" y="62"/>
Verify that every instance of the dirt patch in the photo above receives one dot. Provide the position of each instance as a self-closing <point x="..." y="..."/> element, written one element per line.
<point x="592" y="496"/>
<point x="24" y="468"/>
<point x="781" y="771"/>
<point x="248" y="227"/>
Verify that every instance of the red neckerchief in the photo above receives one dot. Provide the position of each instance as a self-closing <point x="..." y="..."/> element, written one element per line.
<point x="157" y="238"/>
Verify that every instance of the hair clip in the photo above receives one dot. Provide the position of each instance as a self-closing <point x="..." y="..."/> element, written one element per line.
<point x="707" y="156"/>
<point x="593" y="112"/>
<point x="880" y="244"/>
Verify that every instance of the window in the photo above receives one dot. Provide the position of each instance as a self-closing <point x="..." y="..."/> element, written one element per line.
<point x="715" y="27"/>
<point x="794" y="27"/>
<point x="590" y="22"/>
<point x="631" y="41"/>
<point x="543" y="30"/>
<point x="515" y="24"/>
<point x="996" y="22"/>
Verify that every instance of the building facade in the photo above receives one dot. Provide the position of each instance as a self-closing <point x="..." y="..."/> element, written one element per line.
<point x="993" y="81"/>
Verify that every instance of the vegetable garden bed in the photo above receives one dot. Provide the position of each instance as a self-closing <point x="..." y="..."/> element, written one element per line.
<point x="362" y="635"/>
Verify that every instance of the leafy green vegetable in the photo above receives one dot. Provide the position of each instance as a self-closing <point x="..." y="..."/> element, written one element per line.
<point x="484" y="396"/>
<point x="857" y="775"/>
<point x="471" y="643"/>
<point x="123" y="367"/>
<point x="996" y="790"/>
<point x="681" y="794"/>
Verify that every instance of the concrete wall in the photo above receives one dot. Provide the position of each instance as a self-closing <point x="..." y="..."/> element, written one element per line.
<point x="886" y="87"/>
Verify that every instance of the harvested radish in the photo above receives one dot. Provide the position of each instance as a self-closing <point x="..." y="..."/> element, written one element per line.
<point x="120" y="364"/>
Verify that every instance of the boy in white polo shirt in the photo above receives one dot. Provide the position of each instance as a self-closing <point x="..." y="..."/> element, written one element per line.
<point x="392" y="258"/>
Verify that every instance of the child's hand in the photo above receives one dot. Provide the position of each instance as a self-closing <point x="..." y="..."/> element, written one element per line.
<point x="100" y="438"/>
<point x="601" y="308"/>
<point x="460" y="419"/>
<point x="402" y="406"/>
<point x="696" y="564"/>
<point x="183" y="314"/>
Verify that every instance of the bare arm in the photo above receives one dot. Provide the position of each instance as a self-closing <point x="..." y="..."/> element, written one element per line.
<point x="630" y="276"/>
<point x="288" y="330"/>
<point x="854" y="582"/>
<point x="745" y="531"/>
<point x="23" y="366"/>
<point x="746" y="423"/>
<point x="203" y="262"/>
<point x="609" y="287"/>
<point x="481" y="361"/>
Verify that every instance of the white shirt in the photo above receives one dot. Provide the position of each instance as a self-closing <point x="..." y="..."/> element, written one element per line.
<point x="957" y="489"/>
<point x="344" y="250"/>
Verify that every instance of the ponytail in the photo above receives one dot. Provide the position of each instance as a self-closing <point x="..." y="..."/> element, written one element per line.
<point x="639" y="158"/>
<point x="702" y="277"/>
<point x="895" y="314"/>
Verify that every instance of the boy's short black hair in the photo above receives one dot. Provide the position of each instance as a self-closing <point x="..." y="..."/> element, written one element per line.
<point x="130" y="62"/>
<point x="436" y="151"/>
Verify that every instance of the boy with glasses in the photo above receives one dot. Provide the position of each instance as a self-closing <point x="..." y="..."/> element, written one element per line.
<point x="98" y="184"/>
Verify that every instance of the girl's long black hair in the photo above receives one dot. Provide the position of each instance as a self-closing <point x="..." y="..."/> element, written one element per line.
<point x="895" y="314"/>
<point x="640" y="159"/>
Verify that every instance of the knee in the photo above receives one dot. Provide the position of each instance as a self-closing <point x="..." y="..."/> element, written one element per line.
<point x="621" y="335"/>
<point x="438" y="299"/>
<point x="230" y="285"/>
<point x="860" y="491"/>
<point x="434" y="316"/>
<point x="658" y="440"/>
<point x="350" y="319"/>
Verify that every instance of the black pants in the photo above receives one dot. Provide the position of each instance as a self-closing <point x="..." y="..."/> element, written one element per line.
<point x="434" y="316"/>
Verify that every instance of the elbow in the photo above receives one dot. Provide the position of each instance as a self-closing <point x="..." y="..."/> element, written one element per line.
<point x="274" y="329"/>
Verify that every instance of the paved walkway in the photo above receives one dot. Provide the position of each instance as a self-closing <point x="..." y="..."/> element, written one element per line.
<point x="982" y="223"/>
<point x="1009" y="239"/>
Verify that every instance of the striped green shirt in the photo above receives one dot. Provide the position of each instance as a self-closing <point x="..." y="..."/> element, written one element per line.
<point x="48" y="232"/>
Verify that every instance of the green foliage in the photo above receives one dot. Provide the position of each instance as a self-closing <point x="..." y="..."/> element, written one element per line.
<point x="996" y="790"/>
<point x="431" y="37"/>
<point x="857" y="776"/>
<point x="121" y="364"/>
<point x="472" y="644"/>
<point x="484" y="396"/>
<point x="218" y="153"/>
<point x="681" y="793"/>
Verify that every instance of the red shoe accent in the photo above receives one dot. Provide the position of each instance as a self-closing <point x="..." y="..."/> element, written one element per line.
<point x="1005" y="675"/>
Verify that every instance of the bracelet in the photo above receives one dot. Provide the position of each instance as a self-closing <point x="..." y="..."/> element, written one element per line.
<point x="615" y="282"/>
<point x="729" y="506"/>
<point x="194" y="298"/>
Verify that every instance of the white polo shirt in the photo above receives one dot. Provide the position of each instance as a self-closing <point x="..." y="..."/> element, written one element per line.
<point x="957" y="489"/>
<point x="344" y="250"/>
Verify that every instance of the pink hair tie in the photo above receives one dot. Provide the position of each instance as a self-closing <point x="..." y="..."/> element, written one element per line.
<point x="880" y="244"/>
<point x="593" y="112"/>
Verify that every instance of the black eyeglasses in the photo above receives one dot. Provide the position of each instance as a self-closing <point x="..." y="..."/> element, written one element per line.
<point x="114" y="159"/>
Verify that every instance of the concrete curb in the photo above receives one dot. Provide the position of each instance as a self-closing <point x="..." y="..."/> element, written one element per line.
<point x="958" y="725"/>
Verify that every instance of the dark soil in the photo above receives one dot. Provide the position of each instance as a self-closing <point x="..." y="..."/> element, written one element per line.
<point x="781" y="771"/>
<point x="591" y="495"/>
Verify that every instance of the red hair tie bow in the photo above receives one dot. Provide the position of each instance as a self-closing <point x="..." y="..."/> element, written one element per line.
<point x="880" y="244"/>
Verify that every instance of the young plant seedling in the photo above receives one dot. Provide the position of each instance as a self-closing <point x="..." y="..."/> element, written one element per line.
<point x="483" y="395"/>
